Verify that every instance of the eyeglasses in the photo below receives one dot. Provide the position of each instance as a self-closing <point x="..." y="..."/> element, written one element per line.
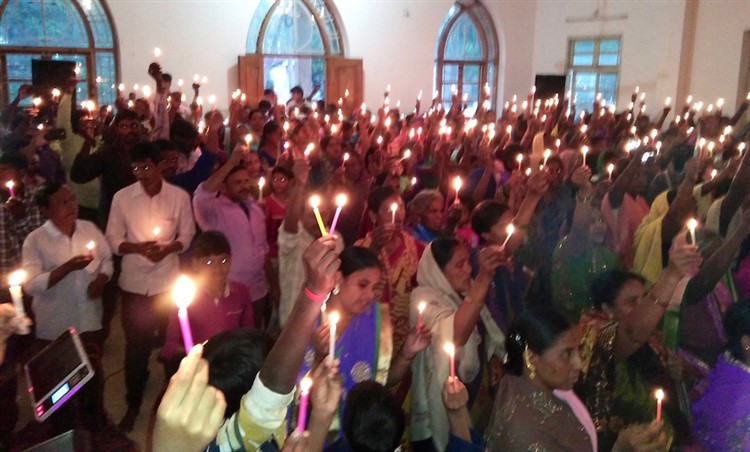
<point x="138" y="169"/>
<point x="126" y="126"/>
<point x="209" y="262"/>
<point x="279" y="179"/>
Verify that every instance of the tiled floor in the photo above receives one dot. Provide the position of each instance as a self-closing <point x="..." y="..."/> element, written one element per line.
<point x="114" y="389"/>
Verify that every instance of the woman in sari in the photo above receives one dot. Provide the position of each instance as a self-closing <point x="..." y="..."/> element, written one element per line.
<point x="722" y="416"/>
<point x="535" y="407"/>
<point x="453" y="311"/>
<point x="364" y="345"/>
<point x="622" y="363"/>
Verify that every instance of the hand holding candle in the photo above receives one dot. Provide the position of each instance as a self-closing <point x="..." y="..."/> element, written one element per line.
<point x="659" y="394"/>
<point x="340" y="202"/>
<point x="333" y="320"/>
<point x="450" y="349"/>
<point x="315" y="203"/>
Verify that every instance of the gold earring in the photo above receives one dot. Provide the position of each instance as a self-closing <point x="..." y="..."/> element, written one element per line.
<point x="527" y="362"/>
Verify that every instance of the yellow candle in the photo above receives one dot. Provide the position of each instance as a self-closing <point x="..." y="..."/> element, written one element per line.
<point x="315" y="203"/>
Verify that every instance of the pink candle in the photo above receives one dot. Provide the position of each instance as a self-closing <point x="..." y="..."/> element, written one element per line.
<point x="183" y="294"/>
<point x="420" y="310"/>
<point x="340" y="202"/>
<point x="450" y="349"/>
<point x="10" y="184"/>
<point x="659" y="397"/>
<point x="304" y="387"/>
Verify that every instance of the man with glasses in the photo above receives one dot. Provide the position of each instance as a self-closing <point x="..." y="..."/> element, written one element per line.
<point x="223" y="203"/>
<point x="150" y="223"/>
<point x="110" y="162"/>
<point x="219" y="305"/>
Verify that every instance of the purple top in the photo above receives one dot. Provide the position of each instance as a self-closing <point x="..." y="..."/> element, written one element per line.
<point x="246" y="235"/>
<point x="209" y="318"/>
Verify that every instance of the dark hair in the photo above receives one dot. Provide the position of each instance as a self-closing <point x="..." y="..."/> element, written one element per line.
<point x="442" y="250"/>
<point x="210" y="243"/>
<point x="282" y="170"/>
<point x="378" y="196"/>
<point x="606" y="286"/>
<point x="45" y="192"/>
<point x="124" y="114"/>
<point x="182" y="128"/>
<point x="165" y="145"/>
<point x="736" y="325"/>
<point x="373" y="421"/>
<point x="234" y="359"/>
<point x="356" y="258"/>
<point x="140" y="152"/>
<point x="486" y="215"/>
<point x="14" y="160"/>
<point x="269" y="92"/>
<point x="680" y="154"/>
<point x="264" y="105"/>
<point x="297" y="89"/>
<point x="536" y="328"/>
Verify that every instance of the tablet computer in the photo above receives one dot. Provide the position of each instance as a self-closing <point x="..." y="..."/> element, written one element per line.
<point x="56" y="373"/>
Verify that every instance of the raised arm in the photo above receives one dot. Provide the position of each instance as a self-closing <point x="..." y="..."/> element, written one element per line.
<point x="682" y="205"/>
<point x="736" y="194"/>
<point x="467" y="315"/>
<point x="635" y="329"/>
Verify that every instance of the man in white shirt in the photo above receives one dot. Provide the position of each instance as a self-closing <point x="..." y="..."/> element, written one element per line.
<point x="67" y="262"/>
<point x="149" y="224"/>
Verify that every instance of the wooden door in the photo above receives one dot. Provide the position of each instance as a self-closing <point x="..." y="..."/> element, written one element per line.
<point x="344" y="74"/>
<point x="251" y="77"/>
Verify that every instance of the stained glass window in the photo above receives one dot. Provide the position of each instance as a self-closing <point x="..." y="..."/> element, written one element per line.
<point x="466" y="54"/>
<point x="70" y="30"/>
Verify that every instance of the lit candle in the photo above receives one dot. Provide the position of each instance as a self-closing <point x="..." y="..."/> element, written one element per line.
<point x="156" y="232"/>
<point x="182" y="294"/>
<point x="584" y="151"/>
<point x="55" y="93"/>
<point x="420" y="310"/>
<point x="692" y="224"/>
<point x="304" y="395"/>
<point x="394" y="208"/>
<point x="667" y="101"/>
<point x="714" y="172"/>
<point x="315" y="203"/>
<point x="333" y="320"/>
<point x="10" y="184"/>
<point x="340" y="202"/>
<point x="519" y="159"/>
<point x="456" y="186"/>
<point x="261" y="184"/>
<point x="450" y="349"/>
<point x="248" y="139"/>
<point x="659" y="397"/>
<point x="610" y="170"/>
<point x="547" y="153"/>
<point x="90" y="248"/>
<point x="15" y="280"/>
<point x="308" y="150"/>
<point x="509" y="230"/>
<point x="413" y="181"/>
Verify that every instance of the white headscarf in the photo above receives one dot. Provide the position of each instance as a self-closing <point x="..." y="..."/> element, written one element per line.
<point x="431" y="366"/>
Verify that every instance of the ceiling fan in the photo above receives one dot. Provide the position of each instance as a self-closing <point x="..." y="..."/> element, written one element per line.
<point x="597" y="16"/>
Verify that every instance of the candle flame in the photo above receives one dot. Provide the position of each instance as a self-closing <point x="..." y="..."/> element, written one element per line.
<point x="341" y="200"/>
<point x="90" y="246"/>
<point x="457" y="183"/>
<point x="16" y="278"/>
<point x="305" y="384"/>
<point x="659" y="394"/>
<point x="421" y="306"/>
<point x="394" y="207"/>
<point x="450" y="349"/>
<point x="261" y="182"/>
<point x="314" y="201"/>
<point x="333" y="318"/>
<point x="156" y="231"/>
<point x="183" y="291"/>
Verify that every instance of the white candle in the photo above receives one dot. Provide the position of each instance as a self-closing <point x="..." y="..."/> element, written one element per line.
<point x="333" y="320"/>
<point x="519" y="159"/>
<point x="610" y="170"/>
<point x="547" y="154"/>
<point x="10" y="184"/>
<point x="692" y="224"/>
<point x="394" y="208"/>
<point x="15" y="280"/>
<point x="261" y="184"/>
<point x="584" y="151"/>
<point x="457" y="187"/>
<point x="509" y="230"/>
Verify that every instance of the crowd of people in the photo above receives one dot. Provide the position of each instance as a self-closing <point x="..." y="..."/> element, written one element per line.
<point x="545" y="276"/>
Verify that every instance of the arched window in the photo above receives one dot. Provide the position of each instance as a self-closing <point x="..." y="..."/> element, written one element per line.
<point x="73" y="30"/>
<point x="294" y="37"/>
<point x="466" y="56"/>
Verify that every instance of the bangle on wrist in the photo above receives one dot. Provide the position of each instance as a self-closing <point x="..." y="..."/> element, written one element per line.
<point x="314" y="297"/>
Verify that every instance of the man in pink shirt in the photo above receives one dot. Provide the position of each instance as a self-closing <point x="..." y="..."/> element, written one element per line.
<point x="220" y="304"/>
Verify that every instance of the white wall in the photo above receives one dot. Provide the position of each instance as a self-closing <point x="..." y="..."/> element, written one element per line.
<point x="650" y="42"/>
<point x="207" y="36"/>
<point x="717" y="49"/>
<point x="202" y="37"/>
